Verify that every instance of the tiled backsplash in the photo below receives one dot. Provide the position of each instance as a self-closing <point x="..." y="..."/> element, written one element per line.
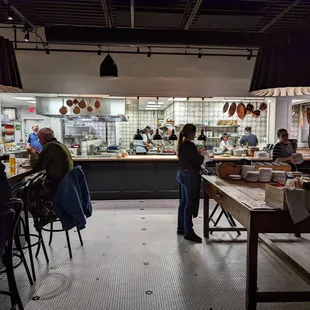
<point x="200" y="113"/>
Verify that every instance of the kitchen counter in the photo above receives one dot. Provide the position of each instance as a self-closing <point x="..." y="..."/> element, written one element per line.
<point x="17" y="174"/>
<point x="20" y="153"/>
<point x="129" y="158"/>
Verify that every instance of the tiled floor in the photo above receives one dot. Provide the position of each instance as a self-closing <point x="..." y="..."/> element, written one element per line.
<point x="132" y="259"/>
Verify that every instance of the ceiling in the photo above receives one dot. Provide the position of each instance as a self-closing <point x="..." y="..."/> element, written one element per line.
<point x="228" y="15"/>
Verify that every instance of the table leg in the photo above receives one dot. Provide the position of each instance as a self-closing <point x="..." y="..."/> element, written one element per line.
<point x="206" y="207"/>
<point x="251" y="272"/>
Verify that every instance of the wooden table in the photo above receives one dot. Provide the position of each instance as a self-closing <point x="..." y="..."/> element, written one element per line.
<point x="245" y="202"/>
<point x="17" y="174"/>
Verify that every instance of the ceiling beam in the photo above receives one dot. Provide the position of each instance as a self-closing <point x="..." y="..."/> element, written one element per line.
<point x="107" y="13"/>
<point x="282" y="13"/>
<point x="190" y="14"/>
<point x="163" y="37"/>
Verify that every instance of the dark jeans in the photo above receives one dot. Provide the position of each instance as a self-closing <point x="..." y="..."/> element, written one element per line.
<point x="189" y="200"/>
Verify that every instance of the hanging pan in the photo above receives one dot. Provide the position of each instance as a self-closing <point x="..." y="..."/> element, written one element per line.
<point x="249" y="108"/>
<point x="232" y="109"/>
<point x="256" y="113"/>
<point x="308" y="115"/>
<point x="241" y="110"/>
<point x="225" y="107"/>
<point x="263" y="106"/>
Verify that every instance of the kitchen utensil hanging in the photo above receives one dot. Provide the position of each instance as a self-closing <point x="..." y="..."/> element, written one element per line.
<point x="63" y="110"/>
<point x="263" y="106"/>
<point x="304" y="110"/>
<point x="76" y="110"/>
<point x="97" y="104"/>
<point x="308" y="115"/>
<point x="225" y="107"/>
<point x="241" y="110"/>
<point x="249" y="108"/>
<point x="69" y="103"/>
<point x="232" y="109"/>
<point x="75" y="101"/>
<point x="82" y="104"/>
<point x="256" y="112"/>
<point x="89" y="109"/>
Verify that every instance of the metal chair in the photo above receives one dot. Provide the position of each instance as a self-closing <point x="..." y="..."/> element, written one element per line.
<point x="9" y="216"/>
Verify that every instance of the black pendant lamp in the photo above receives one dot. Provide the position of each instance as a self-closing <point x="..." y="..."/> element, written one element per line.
<point x="157" y="136"/>
<point x="282" y="69"/>
<point x="173" y="136"/>
<point x="138" y="136"/>
<point x="10" y="80"/>
<point x="202" y="136"/>
<point x="108" y="68"/>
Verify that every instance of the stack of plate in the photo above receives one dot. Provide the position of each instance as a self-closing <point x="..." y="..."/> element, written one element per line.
<point x="278" y="175"/>
<point x="252" y="176"/>
<point x="265" y="175"/>
<point x="245" y="169"/>
<point x="234" y="177"/>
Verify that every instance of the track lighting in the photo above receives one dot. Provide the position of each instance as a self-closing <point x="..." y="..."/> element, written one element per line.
<point x="149" y="53"/>
<point x="249" y="57"/>
<point x="26" y="38"/>
<point x="10" y="16"/>
<point x="199" y="55"/>
<point x="108" y="68"/>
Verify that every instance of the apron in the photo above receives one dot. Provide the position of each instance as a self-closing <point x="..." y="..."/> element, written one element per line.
<point x="286" y="151"/>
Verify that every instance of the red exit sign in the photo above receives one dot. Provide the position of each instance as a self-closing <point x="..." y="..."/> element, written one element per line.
<point x="31" y="109"/>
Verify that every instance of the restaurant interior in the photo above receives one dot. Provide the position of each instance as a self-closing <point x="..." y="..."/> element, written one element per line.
<point x="117" y="89"/>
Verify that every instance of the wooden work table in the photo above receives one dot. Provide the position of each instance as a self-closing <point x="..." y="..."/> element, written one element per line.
<point x="244" y="202"/>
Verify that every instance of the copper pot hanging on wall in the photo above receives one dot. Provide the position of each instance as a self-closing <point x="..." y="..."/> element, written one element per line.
<point x="225" y="107"/>
<point x="249" y="108"/>
<point x="232" y="109"/>
<point x="241" y="110"/>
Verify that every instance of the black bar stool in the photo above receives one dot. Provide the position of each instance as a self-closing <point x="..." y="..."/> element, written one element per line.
<point x="9" y="216"/>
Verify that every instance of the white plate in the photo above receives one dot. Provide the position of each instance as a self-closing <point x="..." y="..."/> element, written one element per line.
<point x="234" y="177"/>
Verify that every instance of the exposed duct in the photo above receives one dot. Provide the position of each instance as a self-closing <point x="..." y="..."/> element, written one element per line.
<point x="146" y="37"/>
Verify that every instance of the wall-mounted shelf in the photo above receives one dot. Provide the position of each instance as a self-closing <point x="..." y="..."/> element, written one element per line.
<point x="222" y="126"/>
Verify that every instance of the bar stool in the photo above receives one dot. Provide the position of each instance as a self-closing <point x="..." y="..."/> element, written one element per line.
<point x="9" y="216"/>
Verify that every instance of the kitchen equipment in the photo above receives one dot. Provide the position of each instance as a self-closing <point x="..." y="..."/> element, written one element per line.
<point x="75" y="101"/>
<point x="263" y="106"/>
<point x="97" y="104"/>
<point x="75" y="151"/>
<point x="63" y="110"/>
<point x="249" y="108"/>
<point x="265" y="175"/>
<point x="82" y="104"/>
<point x="241" y="110"/>
<point x="298" y="158"/>
<point x="246" y="169"/>
<point x="225" y="107"/>
<point x="76" y="110"/>
<point x="232" y="109"/>
<point x="301" y="118"/>
<point x="69" y="103"/>
<point x="217" y="151"/>
<point x="239" y="152"/>
<point x="261" y="154"/>
<point x="89" y="109"/>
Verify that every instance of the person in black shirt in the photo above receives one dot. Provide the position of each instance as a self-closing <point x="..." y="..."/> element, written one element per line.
<point x="5" y="189"/>
<point x="188" y="176"/>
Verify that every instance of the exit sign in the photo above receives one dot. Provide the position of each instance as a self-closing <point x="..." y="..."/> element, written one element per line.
<point x="31" y="109"/>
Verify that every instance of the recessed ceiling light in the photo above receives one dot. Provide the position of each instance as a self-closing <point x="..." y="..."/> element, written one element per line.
<point x="157" y="103"/>
<point x="31" y="101"/>
<point x="151" y="108"/>
<point x="24" y="98"/>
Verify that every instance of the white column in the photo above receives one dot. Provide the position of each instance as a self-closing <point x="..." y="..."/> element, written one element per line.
<point x="283" y="116"/>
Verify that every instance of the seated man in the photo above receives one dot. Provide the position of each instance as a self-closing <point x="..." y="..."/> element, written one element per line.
<point x="54" y="158"/>
<point x="5" y="192"/>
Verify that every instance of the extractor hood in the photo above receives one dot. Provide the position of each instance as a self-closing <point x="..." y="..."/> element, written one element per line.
<point x="110" y="110"/>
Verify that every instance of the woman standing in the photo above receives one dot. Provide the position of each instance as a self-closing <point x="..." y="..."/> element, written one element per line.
<point x="188" y="176"/>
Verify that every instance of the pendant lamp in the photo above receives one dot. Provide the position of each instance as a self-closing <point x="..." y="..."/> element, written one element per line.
<point x="282" y="69"/>
<point x="173" y="136"/>
<point x="138" y="136"/>
<point x="202" y="136"/>
<point x="157" y="136"/>
<point x="108" y="68"/>
<point x="10" y="80"/>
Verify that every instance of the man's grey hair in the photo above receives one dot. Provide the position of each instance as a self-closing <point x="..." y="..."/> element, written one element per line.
<point x="47" y="133"/>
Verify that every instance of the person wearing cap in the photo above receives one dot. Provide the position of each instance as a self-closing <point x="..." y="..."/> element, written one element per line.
<point x="248" y="139"/>
<point x="225" y="145"/>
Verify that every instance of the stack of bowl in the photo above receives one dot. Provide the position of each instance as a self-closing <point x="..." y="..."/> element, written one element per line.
<point x="245" y="170"/>
<point x="252" y="176"/>
<point x="265" y="175"/>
